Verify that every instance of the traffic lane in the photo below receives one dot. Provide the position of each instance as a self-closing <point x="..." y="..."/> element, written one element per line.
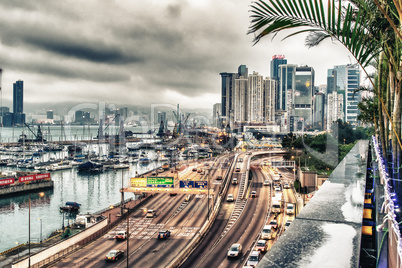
<point x="216" y="229"/>
<point x="99" y="248"/>
<point x="187" y="212"/>
<point x="102" y="246"/>
<point x="246" y="228"/>
<point x="167" y="207"/>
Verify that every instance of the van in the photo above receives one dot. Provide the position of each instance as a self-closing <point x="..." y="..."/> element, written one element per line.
<point x="266" y="232"/>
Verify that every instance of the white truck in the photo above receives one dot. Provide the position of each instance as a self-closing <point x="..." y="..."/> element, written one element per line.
<point x="277" y="204"/>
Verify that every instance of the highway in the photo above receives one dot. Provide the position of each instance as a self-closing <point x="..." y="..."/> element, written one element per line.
<point x="240" y="221"/>
<point x="213" y="249"/>
<point x="182" y="218"/>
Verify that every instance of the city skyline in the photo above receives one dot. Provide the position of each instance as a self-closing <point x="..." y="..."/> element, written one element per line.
<point x="138" y="53"/>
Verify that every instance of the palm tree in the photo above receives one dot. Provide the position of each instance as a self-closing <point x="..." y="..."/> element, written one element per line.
<point x="368" y="29"/>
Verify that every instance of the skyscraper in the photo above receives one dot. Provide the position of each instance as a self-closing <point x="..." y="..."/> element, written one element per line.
<point x="275" y="62"/>
<point x="255" y="98"/>
<point x="227" y="92"/>
<point x="240" y="99"/>
<point x="303" y="93"/>
<point x="349" y="80"/>
<point x="18" y="103"/>
<point x="331" y="81"/>
<point x="285" y="86"/>
<point x="275" y="74"/>
<point x="216" y="114"/>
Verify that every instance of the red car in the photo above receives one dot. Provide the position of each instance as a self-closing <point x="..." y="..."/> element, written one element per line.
<point x="262" y="245"/>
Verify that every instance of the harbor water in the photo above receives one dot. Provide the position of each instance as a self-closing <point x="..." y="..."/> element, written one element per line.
<point x="93" y="191"/>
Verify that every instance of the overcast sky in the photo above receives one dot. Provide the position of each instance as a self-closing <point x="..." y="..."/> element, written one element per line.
<point x="138" y="52"/>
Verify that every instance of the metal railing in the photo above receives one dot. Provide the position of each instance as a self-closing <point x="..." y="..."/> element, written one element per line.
<point x="389" y="220"/>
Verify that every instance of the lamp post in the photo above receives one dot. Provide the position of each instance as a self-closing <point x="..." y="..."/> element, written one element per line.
<point x="17" y="243"/>
<point x="29" y="227"/>
<point x="40" y="229"/>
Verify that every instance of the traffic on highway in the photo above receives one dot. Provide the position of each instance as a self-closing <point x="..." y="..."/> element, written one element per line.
<point x="249" y="206"/>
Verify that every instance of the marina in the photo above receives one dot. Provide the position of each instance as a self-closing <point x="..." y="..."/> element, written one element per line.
<point x="94" y="190"/>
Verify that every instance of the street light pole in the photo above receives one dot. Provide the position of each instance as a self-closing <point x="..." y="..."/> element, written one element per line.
<point x="29" y="231"/>
<point x="40" y="229"/>
<point x="128" y="234"/>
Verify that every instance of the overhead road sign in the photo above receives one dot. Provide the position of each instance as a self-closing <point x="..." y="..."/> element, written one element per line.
<point x="201" y="184"/>
<point x="138" y="182"/>
<point x="186" y="184"/>
<point x="167" y="182"/>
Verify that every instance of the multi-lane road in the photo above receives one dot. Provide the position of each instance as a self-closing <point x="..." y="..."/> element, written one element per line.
<point x="238" y="221"/>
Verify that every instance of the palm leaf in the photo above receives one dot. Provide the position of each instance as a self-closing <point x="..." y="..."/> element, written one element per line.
<point x="348" y="26"/>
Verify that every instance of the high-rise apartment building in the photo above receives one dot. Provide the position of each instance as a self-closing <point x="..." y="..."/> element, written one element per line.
<point x="216" y="114"/>
<point x="331" y="81"/>
<point x="18" y="103"/>
<point x="269" y="99"/>
<point x="240" y="99"/>
<point x="334" y="108"/>
<point x="255" y="95"/>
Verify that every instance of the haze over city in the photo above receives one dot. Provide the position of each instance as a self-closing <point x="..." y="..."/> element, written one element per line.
<point x="138" y="53"/>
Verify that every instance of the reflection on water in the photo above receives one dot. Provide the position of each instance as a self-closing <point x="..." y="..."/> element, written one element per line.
<point x="93" y="191"/>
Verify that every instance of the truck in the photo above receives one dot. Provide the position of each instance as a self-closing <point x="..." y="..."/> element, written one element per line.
<point x="277" y="204"/>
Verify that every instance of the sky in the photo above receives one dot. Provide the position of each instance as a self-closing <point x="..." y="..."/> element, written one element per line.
<point x="139" y="52"/>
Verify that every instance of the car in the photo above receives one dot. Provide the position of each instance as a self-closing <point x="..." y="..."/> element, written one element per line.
<point x="262" y="245"/>
<point x="266" y="232"/>
<point x="194" y="169"/>
<point x="199" y="170"/>
<point x="172" y="194"/>
<point x="277" y="189"/>
<point x="163" y="234"/>
<point x="121" y="235"/>
<point x="219" y="178"/>
<point x="188" y="197"/>
<point x="114" y="255"/>
<point x="237" y="169"/>
<point x="160" y="170"/>
<point x="248" y="153"/>
<point x="240" y="160"/>
<point x="234" y="181"/>
<point x="235" y="250"/>
<point x="287" y="224"/>
<point x="206" y="164"/>
<point x="153" y="172"/>
<point x="274" y="224"/>
<point x="230" y="198"/>
<point x="267" y="183"/>
<point x="290" y="209"/>
<point x="286" y="186"/>
<point x="151" y="213"/>
<point x="253" y="194"/>
<point x="253" y="259"/>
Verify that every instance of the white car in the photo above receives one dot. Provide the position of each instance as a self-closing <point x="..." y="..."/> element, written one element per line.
<point x="290" y="209"/>
<point x="253" y="259"/>
<point x="235" y="250"/>
<point x="266" y="183"/>
<point x="277" y="189"/>
<point x="230" y="198"/>
<point x="286" y="186"/>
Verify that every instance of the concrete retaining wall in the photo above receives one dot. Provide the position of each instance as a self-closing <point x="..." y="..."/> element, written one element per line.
<point x="15" y="189"/>
<point x="40" y="256"/>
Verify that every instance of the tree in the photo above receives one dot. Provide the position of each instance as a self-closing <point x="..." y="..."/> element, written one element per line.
<point x="368" y="29"/>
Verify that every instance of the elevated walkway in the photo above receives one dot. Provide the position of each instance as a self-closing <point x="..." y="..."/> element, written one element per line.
<point x="328" y="230"/>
